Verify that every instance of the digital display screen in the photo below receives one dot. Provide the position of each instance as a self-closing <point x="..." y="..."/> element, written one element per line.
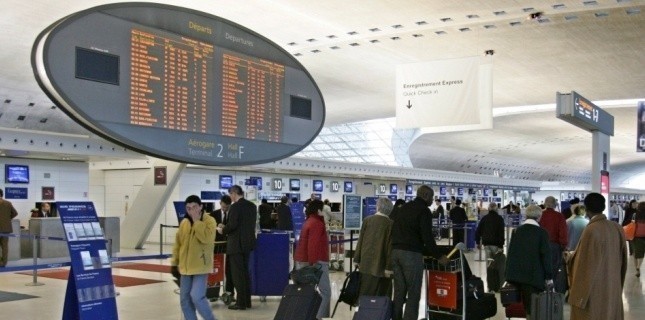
<point x="294" y="184"/>
<point x="256" y="181"/>
<point x="318" y="185"/>
<point x="214" y="92"/>
<point x="408" y="189"/>
<point x="97" y="66"/>
<point x="349" y="187"/>
<point x="16" y="173"/>
<point x="300" y="107"/>
<point x="604" y="187"/>
<point x="225" y="182"/>
<point x="394" y="189"/>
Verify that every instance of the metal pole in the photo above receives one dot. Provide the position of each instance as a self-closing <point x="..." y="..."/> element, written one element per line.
<point x="109" y="249"/>
<point x="161" y="239"/>
<point x="34" y="248"/>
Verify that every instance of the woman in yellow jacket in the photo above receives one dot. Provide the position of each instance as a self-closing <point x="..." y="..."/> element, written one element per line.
<point x="192" y="257"/>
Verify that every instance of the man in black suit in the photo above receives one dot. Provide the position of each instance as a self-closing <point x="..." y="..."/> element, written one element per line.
<point x="284" y="215"/>
<point x="459" y="218"/>
<point x="266" y="222"/>
<point x="221" y="217"/>
<point x="240" y="232"/>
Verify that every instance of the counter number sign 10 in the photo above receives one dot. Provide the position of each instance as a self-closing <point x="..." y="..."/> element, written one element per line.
<point x="334" y="186"/>
<point x="277" y="184"/>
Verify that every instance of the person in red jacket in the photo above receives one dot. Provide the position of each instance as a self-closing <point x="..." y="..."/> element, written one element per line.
<point x="312" y="248"/>
<point x="556" y="226"/>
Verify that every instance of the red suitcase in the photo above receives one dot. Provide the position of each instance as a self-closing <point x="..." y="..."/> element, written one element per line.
<point x="515" y="310"/>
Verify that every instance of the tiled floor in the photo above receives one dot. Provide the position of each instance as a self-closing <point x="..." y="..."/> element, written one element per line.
<point x="159" y="301"/>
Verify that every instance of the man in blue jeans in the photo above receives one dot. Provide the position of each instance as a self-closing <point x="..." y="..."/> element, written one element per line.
<point x="192" y="257"/>
<point x="411" y="238"/>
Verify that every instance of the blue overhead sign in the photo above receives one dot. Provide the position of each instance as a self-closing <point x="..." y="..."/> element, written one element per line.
<point x="577" y="110"/>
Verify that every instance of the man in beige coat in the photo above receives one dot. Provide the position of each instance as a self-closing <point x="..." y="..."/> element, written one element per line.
<point x="598" y="266"/>
<point x="374" y="251"/>
<point x="7" y="212"/>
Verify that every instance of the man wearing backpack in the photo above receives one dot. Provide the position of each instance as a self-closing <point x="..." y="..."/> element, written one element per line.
<point x="411" y="238"/>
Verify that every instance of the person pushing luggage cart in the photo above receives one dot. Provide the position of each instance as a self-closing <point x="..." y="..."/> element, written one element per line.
<point x="221" y="216"/>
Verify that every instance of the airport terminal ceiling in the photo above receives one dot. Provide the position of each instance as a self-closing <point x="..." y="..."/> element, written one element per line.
<point x="352" y="49"/>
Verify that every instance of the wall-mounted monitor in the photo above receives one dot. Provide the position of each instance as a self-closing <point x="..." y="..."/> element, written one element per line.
<point x="225" y="182"/>
<point x="16" y="173"/>
<point x="255" y="181"/>
<point x="318" y="185"/>
<point x="294" y="184"/>
<point x="394" y="188"/>
<point x="349" y="187"/>
<point x="409" y="189"/>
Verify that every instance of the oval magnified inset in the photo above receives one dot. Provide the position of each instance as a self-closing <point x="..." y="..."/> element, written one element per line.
<point x="179" y="84"/>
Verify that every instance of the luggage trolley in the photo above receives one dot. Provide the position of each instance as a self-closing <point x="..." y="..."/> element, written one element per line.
<point x="336" y="251"/>
<point x="216" y="281"/>
<point x="443" y="288"/>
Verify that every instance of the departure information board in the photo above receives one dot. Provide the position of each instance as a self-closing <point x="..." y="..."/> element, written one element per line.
<point x="169" y="81"/>
<point x="179" y="84"/>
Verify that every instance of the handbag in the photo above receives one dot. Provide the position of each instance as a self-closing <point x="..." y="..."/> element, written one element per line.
<point x="630" y="231"/>
<point x="307" y="275"/>
<point x="640" y="229"/>
<point x="509" y="294"/>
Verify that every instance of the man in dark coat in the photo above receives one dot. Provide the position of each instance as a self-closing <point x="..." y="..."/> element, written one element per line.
<point x="411" y="240"/>
<point x="490" y="231"/>
<point x="221" y="217"/>
<point x="240" y="232"/>
<point x="7" y="213"/>
<point x="284" y="215"/>
<point x="265" y="211"/>
<point x="458" y="217"/>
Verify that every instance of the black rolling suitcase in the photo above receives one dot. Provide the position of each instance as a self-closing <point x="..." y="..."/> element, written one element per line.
<point x="299" y="302"/>
<point x="547" y="305"/>
<point x="373" y="308"/>
<point x="482" y="307"/>
<point x="495" y="272"/>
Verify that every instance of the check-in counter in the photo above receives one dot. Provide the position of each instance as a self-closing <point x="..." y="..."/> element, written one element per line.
<point x="49" y="227"/>
<point x="52" y="227"/>
<point x="112" y="230"/>
<point x="14" y="242"/>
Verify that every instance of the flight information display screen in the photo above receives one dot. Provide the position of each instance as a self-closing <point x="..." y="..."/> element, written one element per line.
<point x="179" y="84"/>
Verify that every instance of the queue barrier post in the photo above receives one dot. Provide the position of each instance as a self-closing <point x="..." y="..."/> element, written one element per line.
<point x="34" y="247"/>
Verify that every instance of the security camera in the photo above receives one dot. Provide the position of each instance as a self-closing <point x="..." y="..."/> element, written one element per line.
<point x="535" y="15"/>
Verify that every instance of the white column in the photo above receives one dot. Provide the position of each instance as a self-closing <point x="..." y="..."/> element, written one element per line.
<point x="147" y="205"/>
<point x="599" y="161"/>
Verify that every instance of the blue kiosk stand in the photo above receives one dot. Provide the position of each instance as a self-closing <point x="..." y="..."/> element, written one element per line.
<point x="90" y="288"/>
